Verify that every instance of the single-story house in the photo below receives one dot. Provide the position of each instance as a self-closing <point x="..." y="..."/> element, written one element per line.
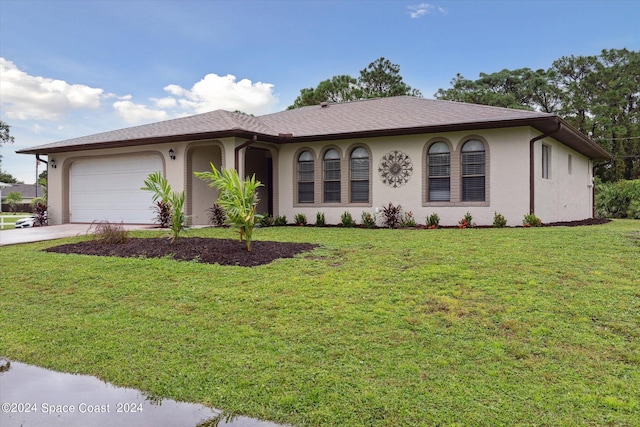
<point x="429" y="156"/>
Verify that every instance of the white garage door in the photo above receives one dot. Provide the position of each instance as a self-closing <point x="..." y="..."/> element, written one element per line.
<point x="108" y="189"/>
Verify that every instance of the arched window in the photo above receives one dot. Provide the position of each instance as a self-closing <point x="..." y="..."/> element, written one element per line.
<point x="439" y="172"/>
<point x="359" y="175"/>
<point x="305" y="177"/>
<point x="332" y="176"/>
<point x="473" y="171"/>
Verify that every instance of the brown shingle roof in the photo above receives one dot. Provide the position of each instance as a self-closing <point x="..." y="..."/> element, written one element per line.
<point x="371" y="117"/>
<point x="401" y="112"/>
<point x="28" y="191"/>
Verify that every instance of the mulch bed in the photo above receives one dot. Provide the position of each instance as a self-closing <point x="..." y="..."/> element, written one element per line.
<point x="210" y="251"/>
<point x="590" y="221"/>
<point x="216" y="251"/>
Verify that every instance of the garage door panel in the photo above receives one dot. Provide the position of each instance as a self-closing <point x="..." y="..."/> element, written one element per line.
<point x="109" y="189"/>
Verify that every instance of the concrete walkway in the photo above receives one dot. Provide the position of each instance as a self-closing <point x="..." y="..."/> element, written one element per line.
<point x="50" y="232"/>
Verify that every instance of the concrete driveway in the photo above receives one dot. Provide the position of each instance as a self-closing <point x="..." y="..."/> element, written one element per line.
<point x="50" y="232"/>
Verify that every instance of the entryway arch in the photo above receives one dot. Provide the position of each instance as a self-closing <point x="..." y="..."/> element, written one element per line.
<point x="262" y="162"/>
<point x="199" y="197"/>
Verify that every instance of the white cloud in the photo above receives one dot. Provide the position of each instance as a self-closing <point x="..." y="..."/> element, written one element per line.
<point x="418" y="11"/>
<point x="213" y="92"/>
<point x="26" y="97"/>
<point x="224" y="92"/>
<point x="175" y="90"/>
<point x="165" y="103"/>
<point x="138" y="113"/>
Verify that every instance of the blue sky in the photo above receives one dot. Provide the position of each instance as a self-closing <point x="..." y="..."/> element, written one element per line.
<point x="70" y="68"/>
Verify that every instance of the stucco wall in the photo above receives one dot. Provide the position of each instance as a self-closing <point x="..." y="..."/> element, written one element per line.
<point x="58" y="178"/>
<point x="507" y="163"/>
<point x="174" y="170"/>
<point x="566" y="194"/>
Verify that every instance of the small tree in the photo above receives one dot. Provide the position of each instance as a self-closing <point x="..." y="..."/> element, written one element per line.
<point x="238" y="198"/>
<point x="161" y="189"/>
<point x="14" y="198"/>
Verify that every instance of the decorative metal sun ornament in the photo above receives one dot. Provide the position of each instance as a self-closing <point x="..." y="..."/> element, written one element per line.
<point x="395" y="169"/>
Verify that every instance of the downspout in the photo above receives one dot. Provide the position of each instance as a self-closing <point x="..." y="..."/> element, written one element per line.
<point x="240" y="147"/>
<point x="38" y="159"/>
<point x="532" y="175"/>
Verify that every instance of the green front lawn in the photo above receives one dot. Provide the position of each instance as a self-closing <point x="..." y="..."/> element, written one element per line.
<point x="479" y="327"/>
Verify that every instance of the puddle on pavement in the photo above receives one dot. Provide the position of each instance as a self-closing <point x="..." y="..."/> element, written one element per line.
<point x="33" y="396"/>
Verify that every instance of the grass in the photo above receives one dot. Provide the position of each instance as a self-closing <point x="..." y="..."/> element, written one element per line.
<point x="482" y="327"/>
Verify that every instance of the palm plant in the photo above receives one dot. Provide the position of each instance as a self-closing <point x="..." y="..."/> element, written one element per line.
<point x="237" y="197"/>
<point x="161" y="189"/>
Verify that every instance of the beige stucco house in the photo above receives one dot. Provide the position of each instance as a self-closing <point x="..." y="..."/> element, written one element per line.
<point x="428" y="156"/>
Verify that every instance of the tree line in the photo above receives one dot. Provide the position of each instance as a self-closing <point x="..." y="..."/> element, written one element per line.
<point x="599" y="95"/>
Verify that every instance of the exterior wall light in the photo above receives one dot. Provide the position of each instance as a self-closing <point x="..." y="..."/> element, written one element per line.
<point x="172" y="154"/>
<point x="52" y="163"/>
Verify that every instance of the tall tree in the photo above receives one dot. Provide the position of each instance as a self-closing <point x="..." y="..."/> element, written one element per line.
<point x="380" y="79"/>
<point x="337" y="89"/>
<point x="521" y="88"/>
<point x="599" y="95"/>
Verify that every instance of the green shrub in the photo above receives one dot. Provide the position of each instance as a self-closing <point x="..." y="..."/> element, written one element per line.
<point x="266" y="220"/>
<point x="634" y="209"/>
<point x="614" y="199"/>
<point x="610" y="202"/>
<point x="347" y="220"/>
<point x="499" y="221"/>
<point x="466" y="221"/>
<point x="280" y="220"/>
<point x="433" y="221"/>
<point x="320" y="221"/>
<point x="408" y="220"/>
<point x="300" y="219"/>
<point x="531" y="220"/>
<point x="368" y="219"/>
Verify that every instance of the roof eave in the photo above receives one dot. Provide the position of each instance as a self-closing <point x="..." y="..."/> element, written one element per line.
<point x="145" y="141"/>
<point x="569" y="135"/>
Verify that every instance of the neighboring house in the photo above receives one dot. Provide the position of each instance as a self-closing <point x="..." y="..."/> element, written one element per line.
<point x="27" y="191"/>
<point x="425" y="155"/>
